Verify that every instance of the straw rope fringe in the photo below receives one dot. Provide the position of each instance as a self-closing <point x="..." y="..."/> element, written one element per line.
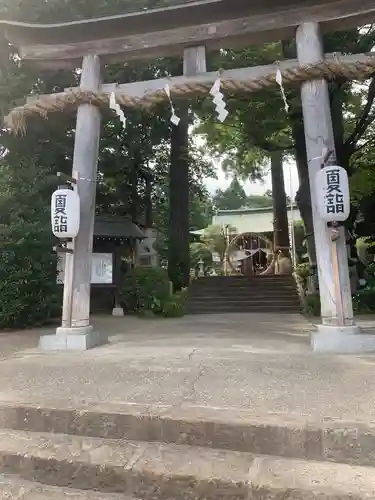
<point x="44" y="105"/>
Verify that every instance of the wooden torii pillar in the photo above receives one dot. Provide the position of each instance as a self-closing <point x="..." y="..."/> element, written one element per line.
<point x="76" y="331"/>
<point x="189" y="28"/>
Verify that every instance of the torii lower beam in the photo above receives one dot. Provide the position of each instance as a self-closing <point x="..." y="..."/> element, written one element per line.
<point x="147" y="93"/>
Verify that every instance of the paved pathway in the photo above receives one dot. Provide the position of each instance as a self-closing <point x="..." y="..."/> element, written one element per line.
<point x="261" y="363"/>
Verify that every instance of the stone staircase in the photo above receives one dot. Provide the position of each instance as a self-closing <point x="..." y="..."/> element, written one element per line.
<point x="129" y="452"/>
<point x="221" y="294"/>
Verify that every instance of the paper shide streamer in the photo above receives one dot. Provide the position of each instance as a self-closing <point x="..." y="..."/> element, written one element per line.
<point x="279" y="81"/>
<point x="174" y="118"/>
<point x="218" y="100"/>
<point x="113" y="104"/>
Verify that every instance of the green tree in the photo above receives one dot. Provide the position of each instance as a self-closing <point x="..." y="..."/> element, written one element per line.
<point x="127" y="156"/>
<point x="28" y="291"/>
<point x="200" y="213"/>
<point x="200" y="252"/>
<point x="217" y="238"/>
<point x="258" y="124"/>
<point x="259" y="200"/>
<point x="232" y="198"/>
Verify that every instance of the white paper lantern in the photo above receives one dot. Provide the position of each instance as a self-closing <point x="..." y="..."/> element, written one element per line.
<point x="332" y="194"/>
<point x="65" y="213"/>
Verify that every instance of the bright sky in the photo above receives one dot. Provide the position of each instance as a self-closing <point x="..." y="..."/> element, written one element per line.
<point x="290" y="177"/>
<point x="222" y="182"/>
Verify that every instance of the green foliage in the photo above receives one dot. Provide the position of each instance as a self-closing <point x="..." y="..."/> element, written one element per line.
<point x="364" y="301"/>
<point x="29" y="294"/>
<point x="235" y="197"/>
<point x="200" y="251"/>
<point x="311" y="306"/>
<point x="28" y="291"/>
<point x="147" y="291"/>
<point x="303" y="271"/>
<point x="145" y="288"/>
<point x="232" y="198"/>
<point x="175" y="307"/>
<point x="215" y="239"/>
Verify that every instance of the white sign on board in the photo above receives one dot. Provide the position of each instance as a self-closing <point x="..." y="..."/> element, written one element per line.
<point x="332" y="194"/>
<point x="101" y="268"/>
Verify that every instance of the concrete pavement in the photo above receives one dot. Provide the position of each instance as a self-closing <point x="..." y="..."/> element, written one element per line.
<point x="245" y="361"/>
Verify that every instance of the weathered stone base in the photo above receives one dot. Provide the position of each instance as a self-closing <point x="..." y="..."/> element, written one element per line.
<point x="73" y="339"/>
<point x="341" y="340"/>
<point x="118" y="312"/>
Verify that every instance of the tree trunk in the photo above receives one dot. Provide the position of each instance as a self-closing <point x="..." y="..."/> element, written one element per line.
<point x="336" y="102"/>
<point x="280" y="214"/>
<point x="303" y="197"/>
<point x="134" y="190"/>
<point x="336" y="94"/>
<point x="178" y="240"/>
<point x="148" y="202"/>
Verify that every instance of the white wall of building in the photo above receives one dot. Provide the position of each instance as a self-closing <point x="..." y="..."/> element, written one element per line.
<point x="253" y="221"/>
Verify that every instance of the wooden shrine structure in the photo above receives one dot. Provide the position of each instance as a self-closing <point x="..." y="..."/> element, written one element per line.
<point x="189" y="29"/>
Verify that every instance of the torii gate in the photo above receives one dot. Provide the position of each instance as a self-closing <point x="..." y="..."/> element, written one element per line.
<point x="190" y="28"/>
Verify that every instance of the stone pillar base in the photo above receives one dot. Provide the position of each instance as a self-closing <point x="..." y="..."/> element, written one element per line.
<point x="341" y="340"/>
<point x="118" y="312"/>
<point x="73" y="339"/>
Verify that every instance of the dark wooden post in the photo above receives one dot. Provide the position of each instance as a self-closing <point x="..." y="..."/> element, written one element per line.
<point x="178" y="258"/>
<point x="117" y="277"/>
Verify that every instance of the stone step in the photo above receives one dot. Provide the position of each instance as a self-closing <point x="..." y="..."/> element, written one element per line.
<point x="12" y="487"/>
<point x="156" y="471"/>
<point x="252" y="292"/>
<point x="246" y="299"/>
<point x="269" y="277"/>
<point x="243" y="284"/>
<point x="243" y="308"/>
<point x="245" y="289"/>
<point x="227" y="429"/>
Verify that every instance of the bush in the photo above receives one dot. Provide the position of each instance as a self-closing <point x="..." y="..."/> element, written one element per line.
<point x="147" y="291"/>
<point x="145" y="288"/>
<point x="175" y="307"/>
<point x="29" y="295"/>
<point x="302" y="273"/>
<point x="364" y="301"/>
<point x="311" y="306"/>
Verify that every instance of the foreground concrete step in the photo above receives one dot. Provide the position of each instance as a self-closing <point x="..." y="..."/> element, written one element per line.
<point x="228" y="429"/>
<point x="165" y="472"/>
<point x="12" y="487"/>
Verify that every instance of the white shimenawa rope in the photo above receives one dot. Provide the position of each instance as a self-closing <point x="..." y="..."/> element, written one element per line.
<point x="174" y="118"/>
<point x="279" y="81"/>
<point x="113" y="104"/>
<point x="218" y="100"/>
